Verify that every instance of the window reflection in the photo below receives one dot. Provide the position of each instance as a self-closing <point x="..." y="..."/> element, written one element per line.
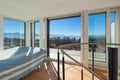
<point x="37" y="33"/>
<point x="97" y="34"/>
<point x="14" y="33"/>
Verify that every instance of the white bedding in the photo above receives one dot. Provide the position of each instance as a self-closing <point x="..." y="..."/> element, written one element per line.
<point x="5" y="54"/>
<point x="19" y="61"/>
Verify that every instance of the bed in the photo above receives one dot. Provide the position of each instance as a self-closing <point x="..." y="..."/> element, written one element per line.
<point x="19" y="61"/>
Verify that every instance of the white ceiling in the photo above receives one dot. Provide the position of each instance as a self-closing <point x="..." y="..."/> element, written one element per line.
<point x="32" y="9"/>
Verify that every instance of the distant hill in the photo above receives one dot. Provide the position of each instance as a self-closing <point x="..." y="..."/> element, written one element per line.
<point x="62" y="36"/>
<point x="19" y="35"/>
<point x="13" y="35"/>
<point x="77" y="36"/>
<point x="16" y="35"/>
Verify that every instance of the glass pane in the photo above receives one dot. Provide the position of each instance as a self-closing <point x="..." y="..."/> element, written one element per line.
<point x="64" y="32"/>
<point x="97" y="34"/>
<point x="112" y="22"/>
<point x="37" y="33"/>
<point x="14" y="33"/>
<point x="31" y="33"/>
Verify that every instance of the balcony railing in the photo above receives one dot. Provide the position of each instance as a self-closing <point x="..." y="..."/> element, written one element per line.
<point x="82" y="78"/>
<point x="80" y="64"/>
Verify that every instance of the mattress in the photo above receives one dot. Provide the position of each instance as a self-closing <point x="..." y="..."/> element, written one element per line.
<point x="19" y="61"/>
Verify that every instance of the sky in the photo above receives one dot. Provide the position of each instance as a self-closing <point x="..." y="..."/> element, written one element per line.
<point x="66" y="26"/>
<point x="72" y="26"/>
<point x="69" y="26"/>
<point x="97" y="24"/>
<point x="37" y="27"/>
<point x="13" y="26"/>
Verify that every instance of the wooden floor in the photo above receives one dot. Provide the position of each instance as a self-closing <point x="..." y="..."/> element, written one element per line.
<point x="45" y="72"/>
<point x="48" y="71"/>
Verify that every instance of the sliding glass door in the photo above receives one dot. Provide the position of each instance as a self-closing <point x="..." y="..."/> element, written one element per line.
<point x="97" y="35"/>
<point x="65" y="31"/>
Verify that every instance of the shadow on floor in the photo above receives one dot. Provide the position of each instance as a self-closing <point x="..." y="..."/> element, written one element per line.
<point x="45" y="72"/>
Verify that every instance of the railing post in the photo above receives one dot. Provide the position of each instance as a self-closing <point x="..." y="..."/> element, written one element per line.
<point x="58" y="65"/>
<point x="63" y="67"/>
<point x="82" y="74"/>
<point x="93" y="61"/>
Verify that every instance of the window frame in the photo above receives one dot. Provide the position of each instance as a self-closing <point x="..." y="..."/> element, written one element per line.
<point x="105" y="35"/>
<point x="48" y="28"/>
<point x="34" y="32"/>
<point x="24" y="44"/>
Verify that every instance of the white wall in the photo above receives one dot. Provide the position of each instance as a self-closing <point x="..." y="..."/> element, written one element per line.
<point x="117" y="31"/>
<point x="84" y="38"/>
<point x="43" y="33"/>
<point x="1" y="32"/>
<point x="28" y="35"/>
<point x="118" y="34"/>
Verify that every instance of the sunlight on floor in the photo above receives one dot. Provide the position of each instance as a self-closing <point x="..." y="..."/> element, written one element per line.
<point x="48" y="71"/>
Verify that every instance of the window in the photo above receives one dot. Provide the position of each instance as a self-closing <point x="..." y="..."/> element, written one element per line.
<point x="65" y="31"/>
<point x="37" y="33"/>
<point x="14" y="33"/>
<point x="31" y="40"/>
<point x="112" y="22"/>
<point x="97" y="34"/>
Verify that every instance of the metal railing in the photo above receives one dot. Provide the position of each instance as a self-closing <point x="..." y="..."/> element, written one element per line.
<point x="94" y="74"/>
<point x="63" y="46"/>
<point x="80" y="64"/>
